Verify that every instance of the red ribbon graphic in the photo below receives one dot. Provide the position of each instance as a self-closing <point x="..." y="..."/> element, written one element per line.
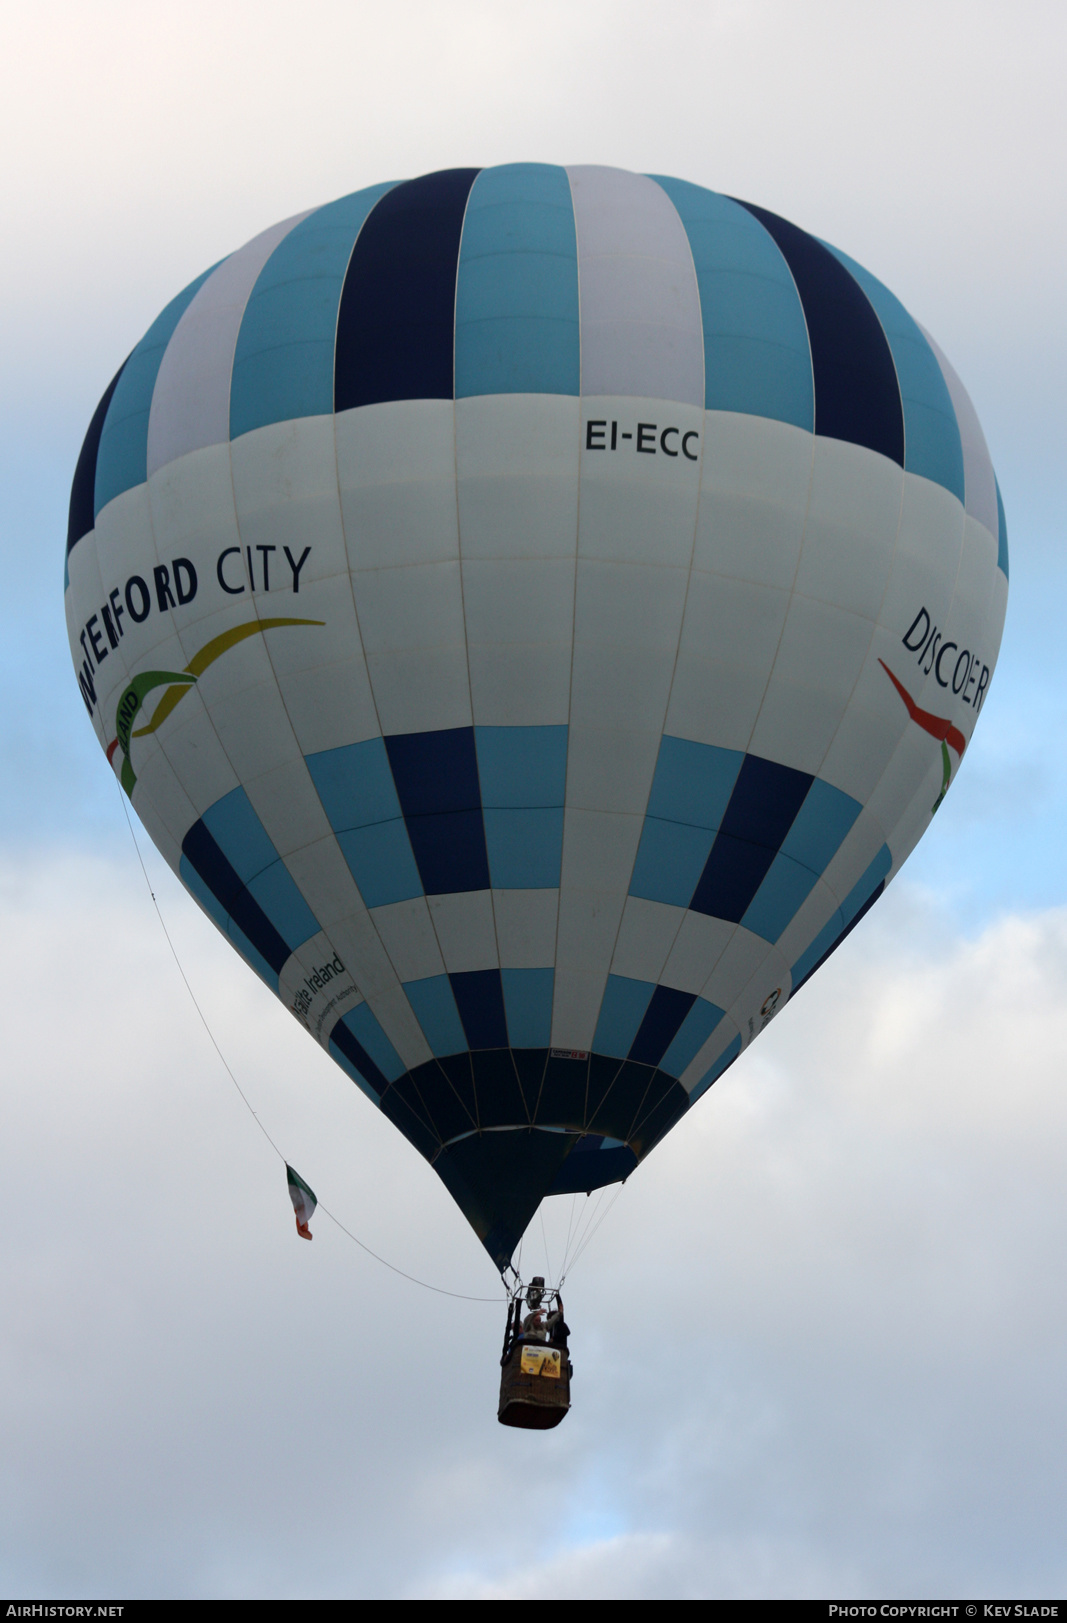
<point x="937" y="726"/>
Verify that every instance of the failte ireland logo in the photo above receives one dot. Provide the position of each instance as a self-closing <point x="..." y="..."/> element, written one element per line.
<point x="177" y="684"/>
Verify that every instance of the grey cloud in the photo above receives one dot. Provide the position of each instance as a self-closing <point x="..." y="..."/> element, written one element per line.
<point x="818" y="1341"/>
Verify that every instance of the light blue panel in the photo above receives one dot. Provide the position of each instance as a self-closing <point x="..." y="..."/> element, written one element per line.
<point x="820" y="825"/>
<point x="1002" y="532"/>
<point x="670" y="861"/>
<point x="822" y="943"/>
<point x="621" y="1013"/>
<point x="122" y="459"/>
<point x="366" y="1030"/>
<point x="240" y="835"/>
<point x="283" y="363"/>
<point x="381" y="862"/>
<point x="785" y="886"/>
<point x="726" y="1058"/>
<point x="691" y="1036"/>
<point x="528" y="1006"/>
<point x="276" y="892"/>
<point x="860" y="893"/>
<point x="693" y="782"/>
<point x="435" y="1010"/>
<point x="932" y="445"/>
<point x="756" y="353"/>
<point x="522" y="766"/>
<point x="517" y="326"/>
<point x="525" y="847"/>
<point x="355" y="784"/>
<point x="342" y="1059"/>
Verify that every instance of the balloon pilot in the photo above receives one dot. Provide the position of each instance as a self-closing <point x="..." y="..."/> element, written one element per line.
<point x="535" y="1362"/>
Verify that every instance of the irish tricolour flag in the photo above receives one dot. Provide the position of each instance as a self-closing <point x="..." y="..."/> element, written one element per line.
<point x="303" y="1200"/>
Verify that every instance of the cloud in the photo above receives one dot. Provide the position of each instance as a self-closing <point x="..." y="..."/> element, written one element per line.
<point x="818" y="1340"/>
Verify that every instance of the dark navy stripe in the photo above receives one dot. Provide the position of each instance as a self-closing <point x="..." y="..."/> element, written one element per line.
<point x="760" y="813"/>
<point x="395" y="326"/>
<point x="500" y="1100"/>
<point x="435" y="772"/>
<point x="584" y="1171"/>
<point x="401" y="1106"/>
<point x="480" y="1000"/>
<point x="82" y="516"/>
<point x="225" y="884"/>
<point x="354" y="1050"/>
<point x="436" y="777"/>
<point x="857" y="396"/>
<point x="666" y="1011"/>
<point x="621" y="1103"/>
<point x="430" y="1093"/>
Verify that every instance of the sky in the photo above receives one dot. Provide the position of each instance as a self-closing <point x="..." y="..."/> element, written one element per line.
<point x="819" y="1338"/>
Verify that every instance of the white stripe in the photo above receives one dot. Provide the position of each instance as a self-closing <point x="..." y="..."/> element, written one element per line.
<point x="191" y="401"/>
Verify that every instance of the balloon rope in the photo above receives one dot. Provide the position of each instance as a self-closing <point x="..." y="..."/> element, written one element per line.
<point x="592" y="1231"/>
<point x="437" y="1289"/>
<point x="544" y="1241"/>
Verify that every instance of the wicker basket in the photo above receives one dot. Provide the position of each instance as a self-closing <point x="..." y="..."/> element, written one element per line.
<point x="535" y="1386"/>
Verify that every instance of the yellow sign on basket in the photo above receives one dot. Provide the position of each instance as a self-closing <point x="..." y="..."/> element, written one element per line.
<point x="541" y="1361"/>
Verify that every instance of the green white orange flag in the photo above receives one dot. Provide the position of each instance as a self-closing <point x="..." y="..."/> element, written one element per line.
<point x="304" y="1202"/>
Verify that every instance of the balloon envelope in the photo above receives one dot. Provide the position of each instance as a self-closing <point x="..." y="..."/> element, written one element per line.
<point x="535" y="611"/>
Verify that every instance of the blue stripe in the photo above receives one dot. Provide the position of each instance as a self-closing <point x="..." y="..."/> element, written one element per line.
<point x="517" y="326"/>
<point x="932" y="444"/>
<point x="368" y="1033"/>
<point x="122" y="460"/>
<point x="1002" y="532"/>
<point x="248" y="848"/>
<point x="667" y="1009"/>
<point x="381" y="861"/>
<point x="522" y="766"/>
<point x="435" y="1010"/>
<point x="693" y="782"/>
<point x="355" y="784"/>
<point x="283" y="362"/>
<point x="813" y="840"/>
<point x="239" y="833"/>
<point x="670" y="860"/>
<point x="692" y="1034"/>
<point x="277" y="893"/>
<point x="528" y="1004"/>
<point x="359" y="797"/>
<point x="834" y="931"/>
<point x="524" y="847"/>
<point x="522" y="773"/>
<point x="756" y="355"/>
<point x="786" y="886"/>
<point x="820" y="826"/>
<point x="690" y="792"/>
<point x="621" y="1013"/>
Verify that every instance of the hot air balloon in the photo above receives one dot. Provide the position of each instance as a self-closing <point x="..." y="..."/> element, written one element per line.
<point x="535" y="611"/>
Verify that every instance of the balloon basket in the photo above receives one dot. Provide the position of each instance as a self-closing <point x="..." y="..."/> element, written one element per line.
<point x="535" y="1386"/>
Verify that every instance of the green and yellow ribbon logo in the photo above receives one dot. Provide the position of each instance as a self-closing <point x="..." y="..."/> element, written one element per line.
<point x="177" y="684"/>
